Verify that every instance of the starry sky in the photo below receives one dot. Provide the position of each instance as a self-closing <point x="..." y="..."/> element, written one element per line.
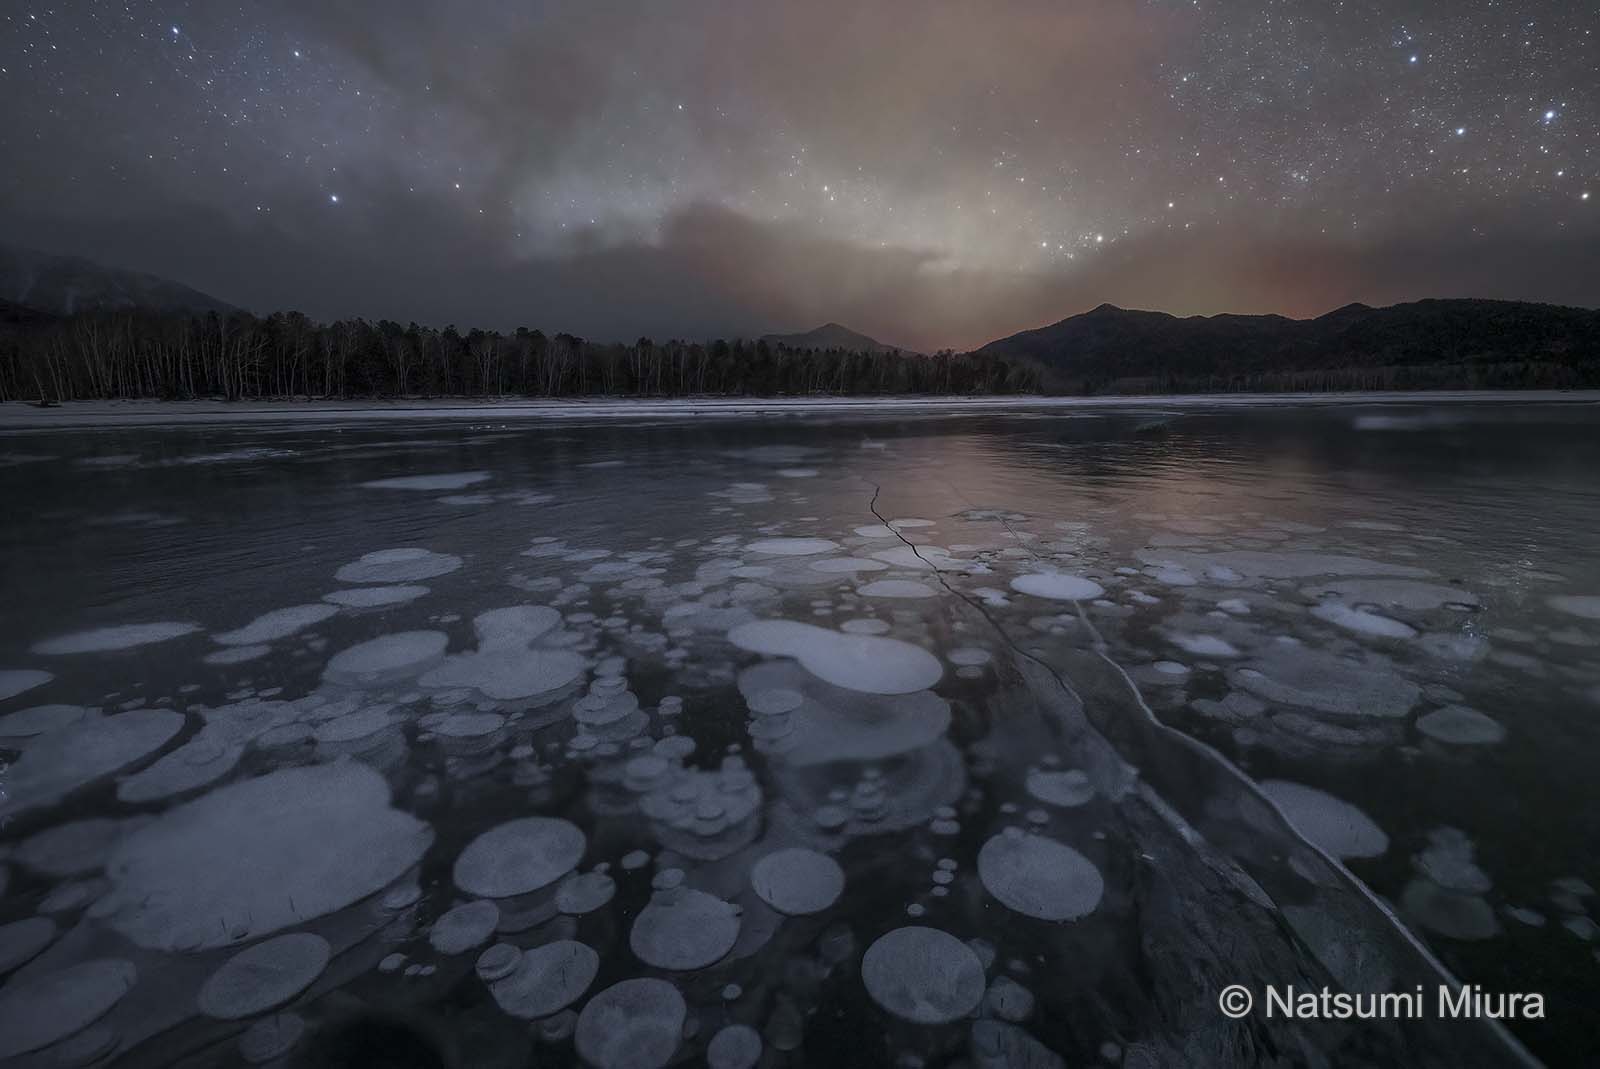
<point x="931" y="172"/>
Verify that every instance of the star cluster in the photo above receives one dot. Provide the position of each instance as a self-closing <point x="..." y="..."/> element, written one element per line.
<point x="937" y="171"/>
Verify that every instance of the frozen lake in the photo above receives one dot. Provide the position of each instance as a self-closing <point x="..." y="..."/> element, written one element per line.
<point x="989" y="735"/>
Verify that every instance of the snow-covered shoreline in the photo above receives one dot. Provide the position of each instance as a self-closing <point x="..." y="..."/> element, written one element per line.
<point x="23" y="416"/>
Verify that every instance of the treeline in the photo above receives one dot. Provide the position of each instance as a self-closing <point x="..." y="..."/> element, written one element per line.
<point x="1507" y="375"/>
<point x="142" y="354"/>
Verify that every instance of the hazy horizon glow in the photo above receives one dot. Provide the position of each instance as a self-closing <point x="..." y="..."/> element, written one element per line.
<point x="933" y="173"/>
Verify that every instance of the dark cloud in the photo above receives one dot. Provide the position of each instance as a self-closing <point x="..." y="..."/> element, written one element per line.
<point x="933" y="173"/>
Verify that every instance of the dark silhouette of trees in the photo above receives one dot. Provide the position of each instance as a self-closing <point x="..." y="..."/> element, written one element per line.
<point x="126" y="354"/>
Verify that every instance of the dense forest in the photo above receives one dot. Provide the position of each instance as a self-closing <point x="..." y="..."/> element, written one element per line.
<point x="133" y="353"/>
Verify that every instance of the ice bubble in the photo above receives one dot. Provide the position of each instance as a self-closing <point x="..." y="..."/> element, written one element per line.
<point x="923" y="975"/>
<point x="107" y="639"/>
<point x="279" y="623"/>
<point x="1334" y="825"/>
<point x="260" y="855"/>
<point x="683" y="929"/>
<point x="897" y="588"/>
<point x="546" y="979"/>
<point x="1585" y="605"/>
<point x="1057" y="586"/>
<point x="864" y="626"/>
<point x="1039" y="877"/>
<point x="14" y="681"/>
<point x="1292" y="675"/>
<point x="1452" y="914"/>
<point x="265" y="976"/>
<point x="464" y="928"/>
<point x="1460" y="726"/>
<point x="236" y="654"/>
<point x="908" y="524"/>
<point x="514" y="627"/>
<point x="374" y="597"/>
<point x="999" y="1045"/>
<point x="1068" y="789"/>
<point x="510" y="674"/>
<point x="792" y="547"/>
<point x="21" y="941"/>
<point x="28" y="723"/>
<point x="202" y="760"/>
<point x="443" y="481"/>
<point x="406" y="565"/>
<point x="1276" y="565"/>
<point x="52" y="1007"/>
<point x="876" y="530"/>
<point x="387" y="659"/>
<point x="635" y="1024"/>
<point x="1393" y="593"/>
<point x="63" y="760"/>
<point x="797" y="881"/>
<point x="847" y="565"/>
<point x="271" y="1038"/>
<point x="1204" y="645"/>
<point x="735" y="1046"/>
<point x="519" y="856"/>
<point x="969" y="656"/>
<point x="584" y="893"/>
<point x="798" y="473"/>
<point x="1362" y="621"/>
<point x="867" y="663"/>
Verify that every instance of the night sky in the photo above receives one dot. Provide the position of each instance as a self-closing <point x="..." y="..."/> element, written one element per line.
<point x="932" y="173"/>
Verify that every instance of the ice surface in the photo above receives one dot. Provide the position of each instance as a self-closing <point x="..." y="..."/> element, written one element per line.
<point x="63" y="760"/>
<point x="1335" y="825"/>
<point x="443" y="481"/>
<point x="405" y="565"/>
<point x="108" y="639"/>
<point x="635" y="1024"/>
<point x="519" y="856"/>
<point x="1039" y="877"/>
<point x="260" y="855"/>
<point x="683" y="929"/>
<point x="387" y="659"/>
<point x="797" y="881"/>
<point x="265" y="976"/>
<point x="54" y="1006"/>
<point x="923" y="975"/>
<point x="546" y="979"/>
<point x="868" y="663"/>
<point x="14" y="681"/>
<point x="1057" y="586"/>
<point x="279" y="623"/>
<point x="374" y="597"/>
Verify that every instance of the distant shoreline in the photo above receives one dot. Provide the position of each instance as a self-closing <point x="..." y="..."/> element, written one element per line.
<point x="79" y="415"/>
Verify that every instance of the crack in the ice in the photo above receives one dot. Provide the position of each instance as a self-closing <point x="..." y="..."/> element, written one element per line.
<point x="978" y="606"/>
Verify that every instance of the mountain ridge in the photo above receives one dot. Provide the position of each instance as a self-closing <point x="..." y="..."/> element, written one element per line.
<point x="832" y="335"/>
<point x="1118" y="349"/>
<point x="55" y="284"/>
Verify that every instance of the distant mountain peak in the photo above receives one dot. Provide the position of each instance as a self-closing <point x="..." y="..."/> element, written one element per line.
<point x="64" y="285"/>
<point x="832" y="335"/>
